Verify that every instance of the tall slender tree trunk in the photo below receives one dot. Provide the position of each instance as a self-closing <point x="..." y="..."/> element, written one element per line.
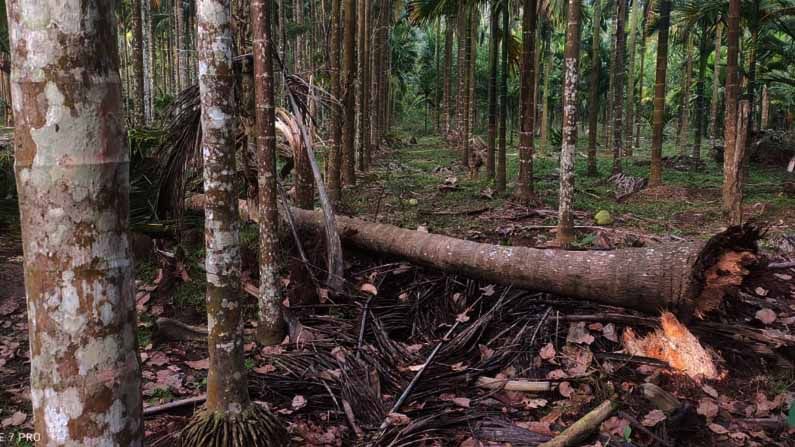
<point x="618" y="87"/>
<point x="731" y="175"/>
<point x="230" y="418"/>
<point x="182" y="53"/>
<point x="752" y="66"/>
<point x="438" y="79"/>
<point x="448" y="60"/>
<point x="571" y="62"/>
<point x="593" y="106"/>
<point x="138" y="63"/>
<point x="629" y="125"/>
<point x="545" y="106"/>
<point x="333" y="165"/>
<point x="270" y="330"/>
<point x="146" y="16"/>
<point x="524" y="183"/>
<point x="658" y="116"/>
<point x="348" y="80"/>
<point x="501" y="156"/>
<point x="493" y="48"/>
<point x="701" y="103"/>
<point x="72" y="172"/>
<point x="765" y="119"/>
<point x="641" y="78"/>
<point x="684" y="117"/>
<point x="461" y="71"/>
<point x="715" y="100"/>
<point x="469" y="93"/>
<point x="364" y="82"/>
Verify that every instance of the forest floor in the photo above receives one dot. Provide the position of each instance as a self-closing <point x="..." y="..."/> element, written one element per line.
<point x="484" y="330"/>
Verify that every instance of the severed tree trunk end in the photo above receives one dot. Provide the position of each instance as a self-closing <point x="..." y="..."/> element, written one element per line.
<point x="721" y="267"/>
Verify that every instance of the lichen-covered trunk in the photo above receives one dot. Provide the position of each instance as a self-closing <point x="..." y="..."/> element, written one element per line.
<point x="658" y="115"/>
<point x="364" y="91"/>
<point x="629" y="125"/>
<point x="501" y="156"/>
<point x="348" y="79"/>
<point x="333" y="166"/>
<point x="593" y="104"/>
<point x="684" y="117"/>
<point x="492" y="135"/>
<point x="226" y="378"/>
<point x="732" y="92"/>
<point x="271" y="325"/>
<point x="72" y="173"/>
<point x="618" y="86"/>
<point x="714" y="132"/>
<point x="683" y="276"/>
<point x="701" y="103"/>
<point x="182" y="51"/>
<point x="524" y="182"/>
<point x="448" y="60"/>
<point x="138" y="64"/>
<point x="571" y="61"/>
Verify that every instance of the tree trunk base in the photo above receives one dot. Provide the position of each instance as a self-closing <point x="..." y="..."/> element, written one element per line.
<point x="254" y="427"/>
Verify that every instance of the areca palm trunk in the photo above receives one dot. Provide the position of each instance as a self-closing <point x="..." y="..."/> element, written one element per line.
<point x="732" y="192"/>
<point x="658" y="116"/>
<point x="333" y="166"/>
<point x="448" y="60"/>
<point x="501" y="158"/>
<point x="493" y="48"/>
<point x="618" y="87"/>
<point x="270" y="329"/>
<point x="182" y="51"/>
<point x="545" y="106"/>
<point x="524" y="183"/>
<point x="639" y="102"/>
<point x="684" y="117"/>
<point x="701" y="103"/>
<point x="474" y="22"/>
<point x="593" y="106"/>
<point x="461" y="73"/>
<point x="148" y="44"/>
<point x="715" y="100"/>
<point x="138" y="63"/>
<point x="364" y="82"/>
<point x="565" y="233"/>
<point x="72" y="173"/>
<point x="629" y="126"/>
<point x="348" y="79"/>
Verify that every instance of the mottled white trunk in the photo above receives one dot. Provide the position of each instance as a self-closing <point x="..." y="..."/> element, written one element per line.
<point x="571" y="60"/>
<point x="72" y="171"/>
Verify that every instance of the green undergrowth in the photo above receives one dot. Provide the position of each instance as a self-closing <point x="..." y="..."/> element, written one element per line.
<point x="403" y="189"/>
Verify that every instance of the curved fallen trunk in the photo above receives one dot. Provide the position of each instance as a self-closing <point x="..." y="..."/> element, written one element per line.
<point x="688" y="277"/>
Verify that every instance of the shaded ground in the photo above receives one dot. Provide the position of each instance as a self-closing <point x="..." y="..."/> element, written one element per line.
<point x="493" y="331"/>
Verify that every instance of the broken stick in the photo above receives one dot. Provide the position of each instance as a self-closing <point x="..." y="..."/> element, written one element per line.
<point x="579" y="431"/>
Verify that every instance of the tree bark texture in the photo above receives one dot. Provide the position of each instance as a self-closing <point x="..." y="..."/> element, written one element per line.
<point x="348" y="80"/>
<point x="524" y="183"/>
<point x="138" y="64"/>
<point x="733" y="170"/>
<point x="72" y="172"/>
<point x="618" y="86"/>
<point x="658" y="116"/>
<point x="684" y="122"/>
<point x="593" y="106"/>
<point x="701" y="103"/>
<point x="226" y="379"/>
<point x="648" y="279"/>
<point x="493" y="49"/>
<point x="271" y="325"/>
<point x="715" y="100"/>
<point x="732" y="92"/>
<point x="571" y="61"/>
<point x="364" y="83"/>
<point x="629" y="124"/>
<point x="333" y="165"/>
<point x="448" y="60"/>
<point x="501" y="156"/>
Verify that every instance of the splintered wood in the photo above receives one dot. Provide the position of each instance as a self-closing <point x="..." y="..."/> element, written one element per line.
<point x="727" y="274"/>
<point x="675" y="345"/>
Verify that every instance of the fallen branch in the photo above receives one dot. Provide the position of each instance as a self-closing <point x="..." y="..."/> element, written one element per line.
<point x="781" y="265"/>
<point x="526" y="386"/>
<point x="171" y="329"/>
<point x="579" y="431"/>
<point x="157" y="409"/>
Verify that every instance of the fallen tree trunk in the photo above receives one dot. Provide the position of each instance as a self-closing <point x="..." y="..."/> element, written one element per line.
<point x="689" y="277"/>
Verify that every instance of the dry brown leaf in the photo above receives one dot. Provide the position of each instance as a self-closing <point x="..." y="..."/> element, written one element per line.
<point x="717" y="428"/>
<point x="609" y="332"/>
<point x="578" y="334"/>
<point x="565" y="389"/>
<point x="16" y="419"/>
<point x="462" y="402"/>
<point x="298" y="402"/>
<point x="368" y="288"/>
<point x="397" y="419"/>
<point x="265" y="369"/>
<point x="615" y="426"/>
<point x="712" y="392"/>
<point x="707" y="408"/>
<point x="766" y="316"/>
<point x="557" y="374"/>
<point x="532" y="404"/>
<point x="199" y="364"/>
<point x="653" y="418"/>
<point x="547" y="352"/>
<point x="157" y="358"/>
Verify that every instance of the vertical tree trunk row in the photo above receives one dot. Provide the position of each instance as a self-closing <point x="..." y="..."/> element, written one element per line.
<point x="333" y="165"/>
<point x="501" y="156"/>
<point x="629" y="125"/>
<point x="364" y="91"/>
<point x="618" y="86"/>
<point x="593" y="104"/>
<point x="348" y="80"/>
<point x="658" y="115"/>
<point x="524" y="182"/>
